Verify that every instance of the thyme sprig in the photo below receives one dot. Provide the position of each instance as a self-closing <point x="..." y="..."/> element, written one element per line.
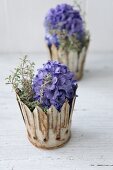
<point x="21" y="80"/>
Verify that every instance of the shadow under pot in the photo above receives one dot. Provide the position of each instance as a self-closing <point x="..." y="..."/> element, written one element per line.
<point x="50" y="129"/>
<point x="73" y="60"/>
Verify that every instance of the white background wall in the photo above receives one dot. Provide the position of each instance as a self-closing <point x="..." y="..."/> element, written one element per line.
<point x="21" y="24"/>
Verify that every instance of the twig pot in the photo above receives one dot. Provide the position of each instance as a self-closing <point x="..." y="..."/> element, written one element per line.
<point x="47" y="130"/>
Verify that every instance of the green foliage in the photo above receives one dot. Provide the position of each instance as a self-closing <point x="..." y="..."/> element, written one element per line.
<point x="21" y="80"/>
<point x="71" y="42"/>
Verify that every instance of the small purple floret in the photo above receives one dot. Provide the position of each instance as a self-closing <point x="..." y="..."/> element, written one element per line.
<point x="52" y="39"/>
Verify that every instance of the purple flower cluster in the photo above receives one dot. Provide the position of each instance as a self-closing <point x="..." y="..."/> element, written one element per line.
<point x="64" y="18"/>
<point x="53" y="84"/>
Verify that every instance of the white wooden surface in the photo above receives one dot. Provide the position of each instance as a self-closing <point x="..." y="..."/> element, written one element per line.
<point x="91" y="145"/>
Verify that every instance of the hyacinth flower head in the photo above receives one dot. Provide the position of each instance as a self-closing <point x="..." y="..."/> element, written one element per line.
<point x="53" y="85"/>
<point x="64" y="17"/>
<point x="64" y="21"/>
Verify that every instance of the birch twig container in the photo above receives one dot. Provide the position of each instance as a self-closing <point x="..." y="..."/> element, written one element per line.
<point x="47" y="130"/>
<point x="46" y="101"/>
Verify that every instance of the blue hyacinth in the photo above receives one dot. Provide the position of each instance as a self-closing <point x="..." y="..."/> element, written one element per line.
<point x="53" y="84"/>
<point x="64" y="19"/>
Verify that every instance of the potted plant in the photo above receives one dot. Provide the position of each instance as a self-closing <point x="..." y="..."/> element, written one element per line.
<point x="66" y="37"/>
<point x="46" y="101"/>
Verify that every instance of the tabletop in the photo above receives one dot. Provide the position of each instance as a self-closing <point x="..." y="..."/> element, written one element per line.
<point x="91" y="144"/>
